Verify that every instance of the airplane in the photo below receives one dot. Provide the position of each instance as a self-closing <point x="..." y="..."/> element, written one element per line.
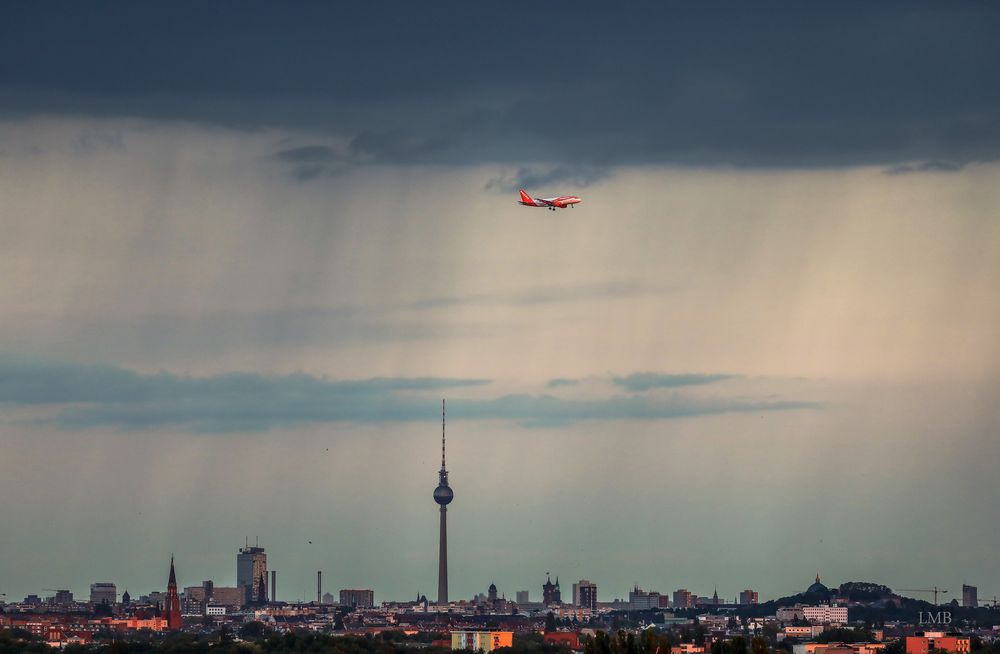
<point x="551" y="204"/>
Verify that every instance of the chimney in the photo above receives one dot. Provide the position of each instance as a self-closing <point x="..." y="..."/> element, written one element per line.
<point x="319" y="586"/>
<point x="274" y="585"/>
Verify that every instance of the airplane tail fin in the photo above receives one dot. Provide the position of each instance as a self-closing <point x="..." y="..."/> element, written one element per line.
<point x="526" y="198"/>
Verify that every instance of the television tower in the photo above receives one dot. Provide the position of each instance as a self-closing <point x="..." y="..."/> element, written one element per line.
<point x="443" y="495"/>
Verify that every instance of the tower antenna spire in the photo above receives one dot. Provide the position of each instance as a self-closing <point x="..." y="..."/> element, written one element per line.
<point x="443" y="495"/>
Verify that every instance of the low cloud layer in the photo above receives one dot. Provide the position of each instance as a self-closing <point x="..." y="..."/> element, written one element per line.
<point x="85" y="396"/>
<point x="541" y="295"/>
<point x="644" y="381"/>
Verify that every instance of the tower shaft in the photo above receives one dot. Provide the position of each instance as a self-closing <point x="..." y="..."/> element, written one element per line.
<point x="443" y="559"/>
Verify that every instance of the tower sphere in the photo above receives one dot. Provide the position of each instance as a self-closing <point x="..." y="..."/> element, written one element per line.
<point x="443" y="495"/>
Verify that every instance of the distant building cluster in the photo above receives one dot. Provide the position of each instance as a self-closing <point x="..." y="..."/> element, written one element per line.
<point x="484" y="623"/>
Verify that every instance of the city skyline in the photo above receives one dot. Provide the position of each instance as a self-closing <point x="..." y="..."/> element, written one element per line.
<point x="240" y="274"/>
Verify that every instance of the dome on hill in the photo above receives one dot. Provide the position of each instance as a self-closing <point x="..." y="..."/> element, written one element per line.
<point x="817" y="587"/>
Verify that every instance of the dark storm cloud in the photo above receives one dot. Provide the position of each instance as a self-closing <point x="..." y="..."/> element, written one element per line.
<point x="85" y="396"/>
<point x="567" y="84"/>
<point x="312" y="161"/>
<point x="645" y="381"/>
<point x="535" y="177"/>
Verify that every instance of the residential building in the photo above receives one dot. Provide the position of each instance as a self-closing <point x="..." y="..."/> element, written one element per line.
<point x="786" y="614"/>
<point x="748" y="597"/>
<point x="936" y="640"/>
<point x="803" y="633"/>
<point x="481" y="641"/>
<point x="585" y="594"/>
<point x="825" y="614"/>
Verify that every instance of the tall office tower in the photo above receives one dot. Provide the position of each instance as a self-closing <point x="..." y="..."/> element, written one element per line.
<point x="748" y="597"/>
<point x="970" y="596"/>
<point x="172" y="607"/>
<point x="251" y="568"/>
<point x="443" y="495"/>
<point x="103" y="592"/>
<point x="522" y="597"/>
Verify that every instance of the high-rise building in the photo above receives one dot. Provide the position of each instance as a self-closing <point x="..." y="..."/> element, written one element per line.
<point x="683" y="599"/>
<point x="550" y="592"/>
<point x="578" y="593"/>
<point x="522" y="597"/>
<point x="63" y="598"/>
<point x="970" y="596"/>
<point x="358" y="598"/>
<point x="640" y="600"/>
<point x="748" y="597"/>
<point x="172" y="607"/>
<point x="251" y="573"/>
<point x="443" y="495"/>
<point x="103" y="592"/>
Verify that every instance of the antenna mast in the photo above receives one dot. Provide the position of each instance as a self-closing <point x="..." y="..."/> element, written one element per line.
<point x="442" y="433"/>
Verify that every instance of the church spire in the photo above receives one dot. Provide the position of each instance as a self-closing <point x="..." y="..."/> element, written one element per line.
<point x="173" y="603"/>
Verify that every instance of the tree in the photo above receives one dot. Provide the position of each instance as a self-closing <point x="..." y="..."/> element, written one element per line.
<point x="550" y="622"/>
<point x="253" y="630"/>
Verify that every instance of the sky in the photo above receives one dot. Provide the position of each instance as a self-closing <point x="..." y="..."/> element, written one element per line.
<point x="247" y="248"/>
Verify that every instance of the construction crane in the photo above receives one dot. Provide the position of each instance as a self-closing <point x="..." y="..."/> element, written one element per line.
<point x="934" y="590"/>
